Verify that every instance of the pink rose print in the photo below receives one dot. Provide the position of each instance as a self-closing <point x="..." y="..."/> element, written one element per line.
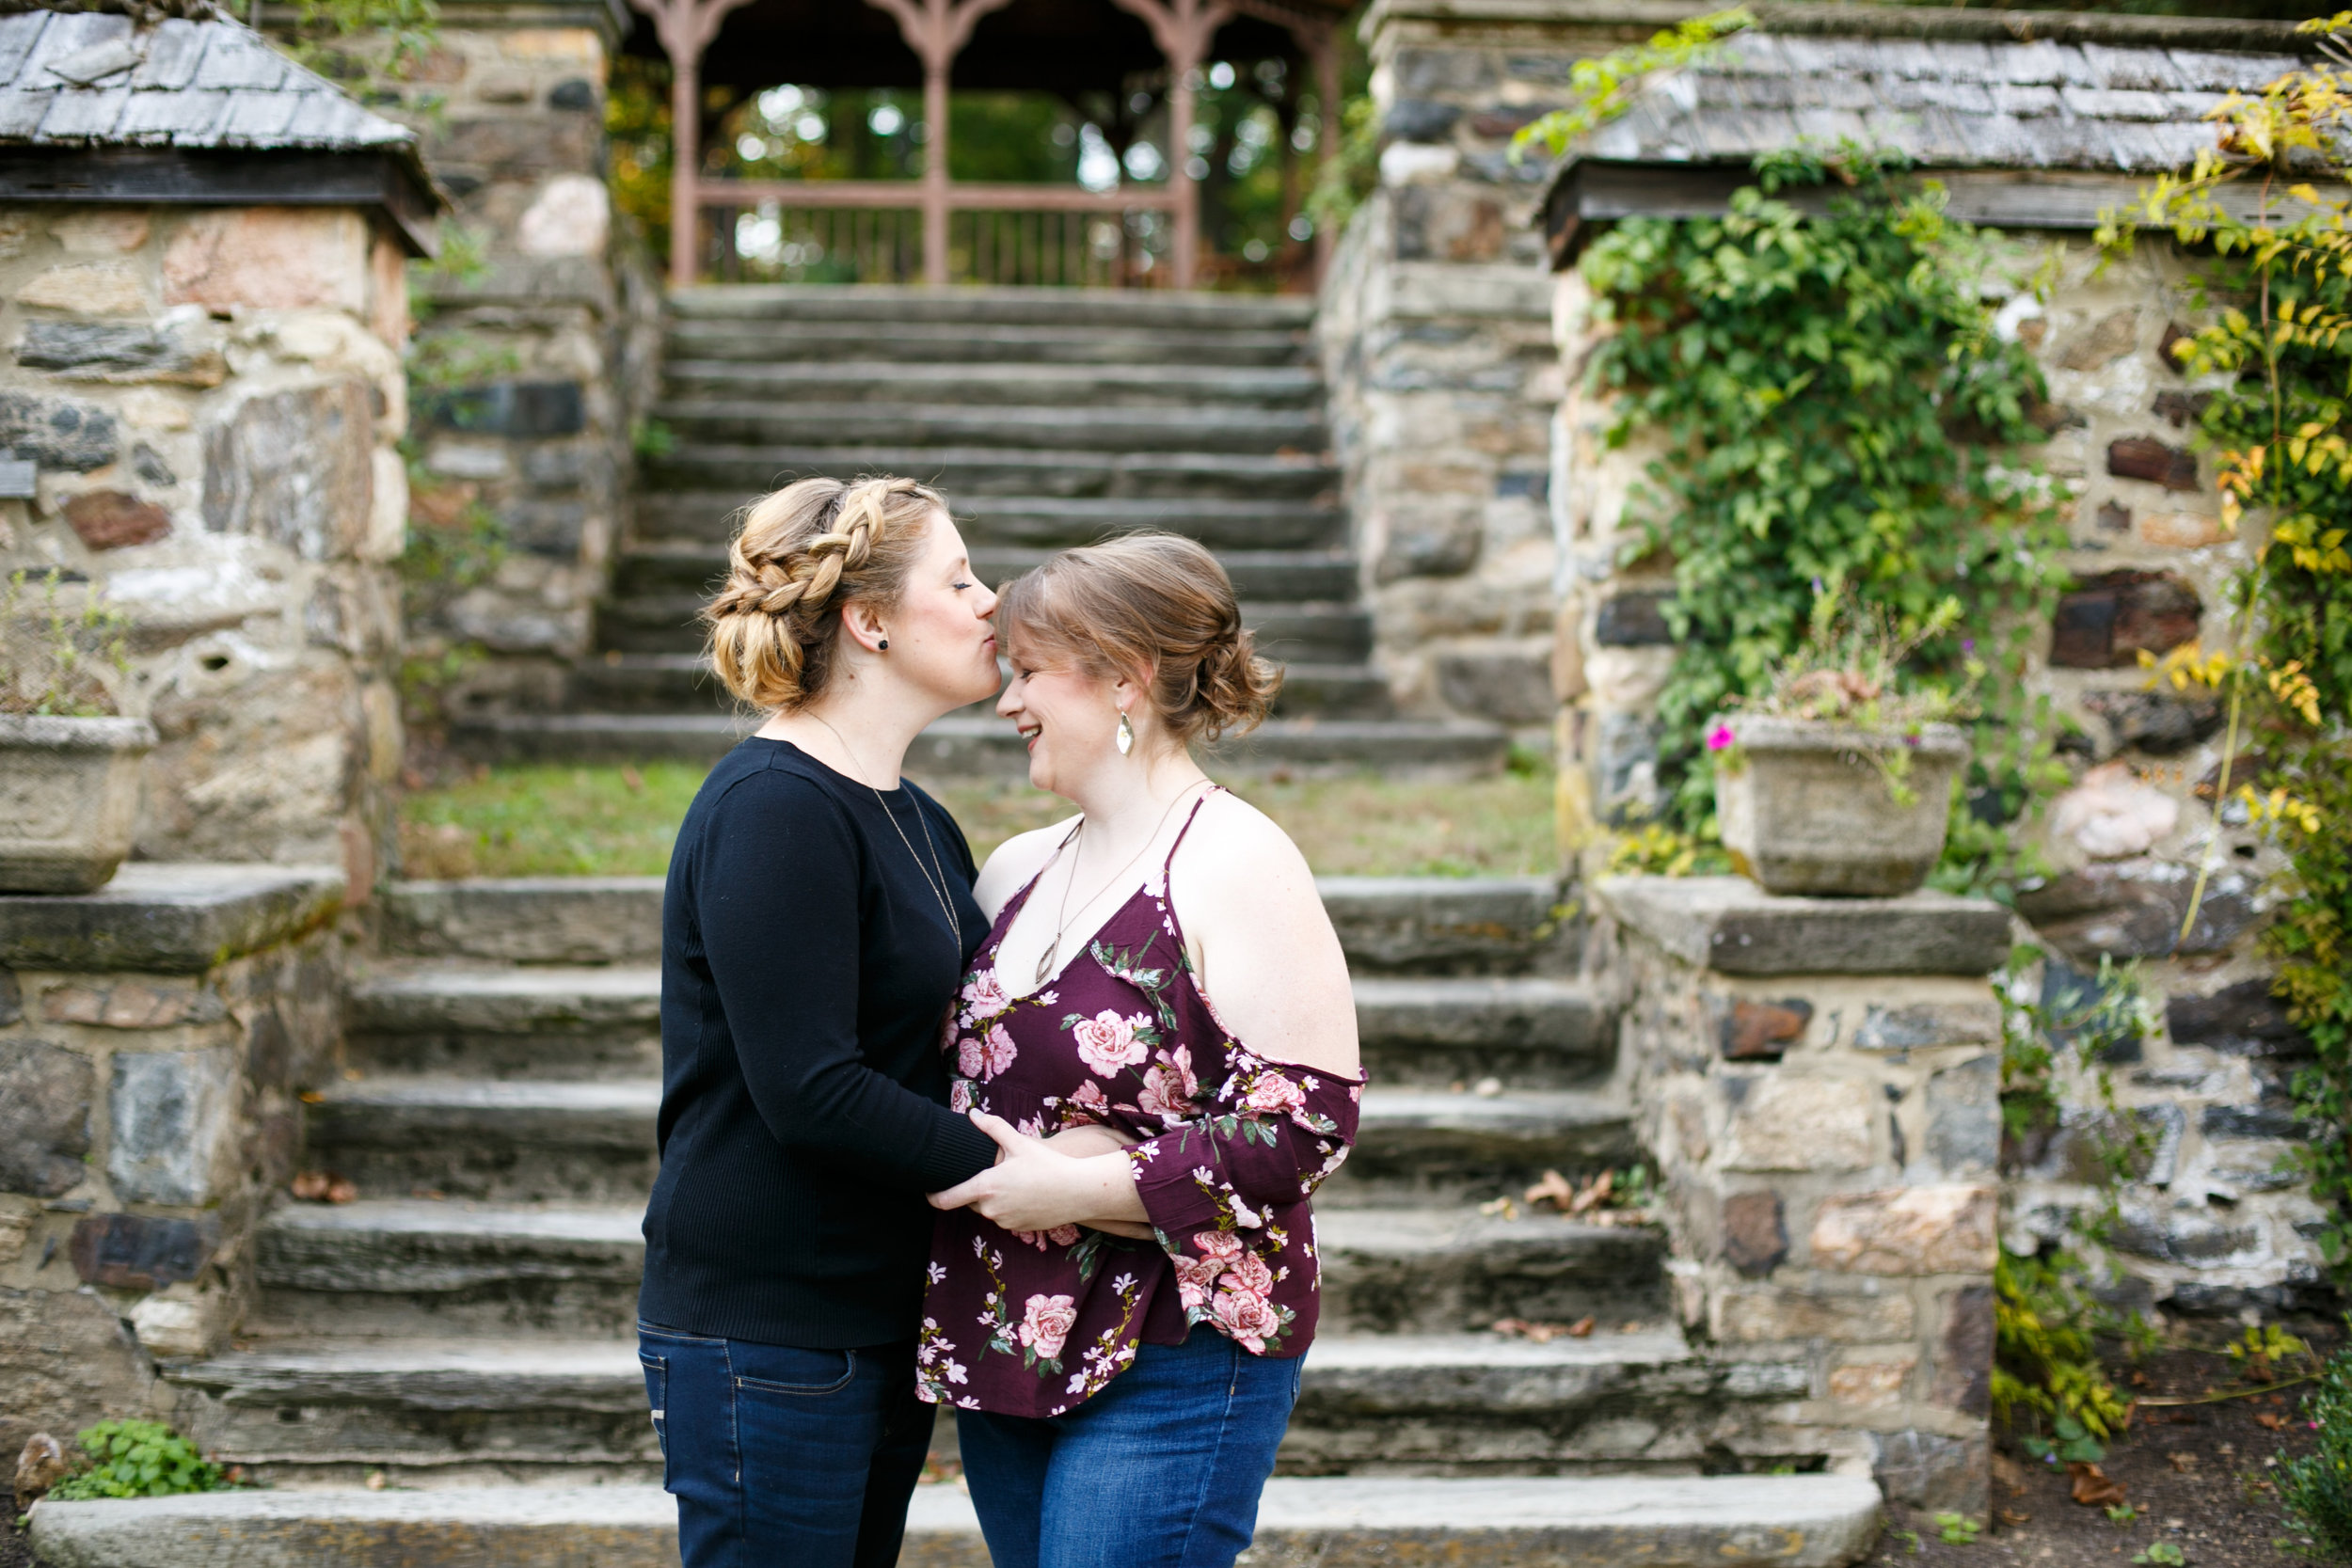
<point x="1217" y="1244"/>
<point x="970" y="1058"/>
<point x="960" y="1096"/>
<point x="1090" y="1099"/>
<point x="1168" y="1086"/>
<point x="998" y="1053"/>
<point x="1249" y="1318"/>
<point x="1271" y="1091"/>
<point x="1250" y="1272"/>
<point x="1108" y="1042"/>
<point x="1062" y="1235"/>
<point x="983" y="994"/>
<point x="1046" y="1325"/>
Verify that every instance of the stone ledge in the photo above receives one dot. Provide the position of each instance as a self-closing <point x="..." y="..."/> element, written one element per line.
<point x="167" y="917"/>
<point x="1729" y="924"/>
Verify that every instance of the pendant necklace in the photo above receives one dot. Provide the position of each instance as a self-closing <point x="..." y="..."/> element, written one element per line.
<point x="1061" y="919"/>
<point x="939" y="887"/>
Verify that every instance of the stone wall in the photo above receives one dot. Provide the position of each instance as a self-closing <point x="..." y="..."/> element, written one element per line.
<point x="153" y="1039"/>
<point x="1818" y="1081"/>
<point x="2212" y="1223"/>
<point x="211" y="398"/>
<point x="1434" y="339"/>
<point x="531" y="370"/>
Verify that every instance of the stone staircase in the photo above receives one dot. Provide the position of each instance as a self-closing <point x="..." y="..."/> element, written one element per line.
<point x="463" y="1331"/>
<point x="1050" y="419"/>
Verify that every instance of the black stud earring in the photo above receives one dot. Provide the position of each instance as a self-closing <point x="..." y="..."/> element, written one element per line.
<point x="885" y="645"/>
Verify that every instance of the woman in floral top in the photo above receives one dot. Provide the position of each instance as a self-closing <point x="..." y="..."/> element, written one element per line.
<point x="1121" y="1316"/>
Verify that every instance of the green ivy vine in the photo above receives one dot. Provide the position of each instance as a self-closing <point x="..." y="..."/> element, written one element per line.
<point x="1838" y="417"/>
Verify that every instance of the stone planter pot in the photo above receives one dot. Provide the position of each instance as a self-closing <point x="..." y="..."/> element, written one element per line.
<point x="69" y="800"/>
<point x="1808" y="809"/>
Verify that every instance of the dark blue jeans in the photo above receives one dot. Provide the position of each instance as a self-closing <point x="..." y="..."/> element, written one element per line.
<point x="1161" y="1469"/>
<point x="778" y="1455"/>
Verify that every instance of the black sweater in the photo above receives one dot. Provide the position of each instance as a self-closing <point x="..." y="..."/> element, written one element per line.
<point x="806" y="970"/>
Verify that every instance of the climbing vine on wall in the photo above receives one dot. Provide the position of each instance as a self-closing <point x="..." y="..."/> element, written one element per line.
<point x="2281" y="280"/>
<point x="1837" y="417"/>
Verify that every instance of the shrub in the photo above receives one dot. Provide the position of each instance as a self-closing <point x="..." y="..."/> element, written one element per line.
<point x="139" y="1459"/>
<point x="2317" y="1488"/>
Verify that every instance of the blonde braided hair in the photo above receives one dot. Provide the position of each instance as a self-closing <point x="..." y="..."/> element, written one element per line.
<point x="799" y="555"/>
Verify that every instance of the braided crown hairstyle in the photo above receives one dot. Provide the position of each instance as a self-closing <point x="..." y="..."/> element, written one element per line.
<point x="1146" y="600"/>
<point x="798" y="556"/>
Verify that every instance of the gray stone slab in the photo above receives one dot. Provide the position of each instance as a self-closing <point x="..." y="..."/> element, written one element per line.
<point x="1729" y="924"/>
<point x="167" y="917"/>
<point x="1329" y="1522"/>
<point x="505" y="1001"/>
<point x="529" y="920"/>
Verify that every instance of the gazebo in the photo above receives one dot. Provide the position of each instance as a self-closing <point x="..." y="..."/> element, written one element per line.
<point x="1063" y="46"/>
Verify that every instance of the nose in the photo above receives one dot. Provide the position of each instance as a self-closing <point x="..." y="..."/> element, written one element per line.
<point x="988" y="602"/>
<point x="1008" y="700"/>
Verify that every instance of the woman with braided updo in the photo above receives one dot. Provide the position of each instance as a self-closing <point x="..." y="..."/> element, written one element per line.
<point x="818" y="917"/>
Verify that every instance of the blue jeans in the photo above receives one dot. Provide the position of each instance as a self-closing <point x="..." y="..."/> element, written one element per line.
<point x="779" y="1455"/>
<point x="1161" y="1469"/>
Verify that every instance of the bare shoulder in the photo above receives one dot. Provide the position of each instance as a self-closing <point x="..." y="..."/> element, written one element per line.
<point x="1238" y="863"/>
<point x="1014" y="861"/>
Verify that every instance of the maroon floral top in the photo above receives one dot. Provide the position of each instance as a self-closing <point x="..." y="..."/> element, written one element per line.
<point x="1031" y="1324"/>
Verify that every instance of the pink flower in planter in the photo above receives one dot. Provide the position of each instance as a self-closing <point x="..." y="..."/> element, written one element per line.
<point x="1720" y="739"/>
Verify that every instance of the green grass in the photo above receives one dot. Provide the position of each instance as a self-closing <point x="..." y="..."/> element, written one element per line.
<point x="619" y="821"/>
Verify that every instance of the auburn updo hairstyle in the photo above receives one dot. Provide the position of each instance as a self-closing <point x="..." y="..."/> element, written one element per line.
<point x="1156" y="601"/>
<point x="798" y="554"/>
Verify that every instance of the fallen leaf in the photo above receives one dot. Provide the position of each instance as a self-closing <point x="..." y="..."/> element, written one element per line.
<point x="2010" y="1474"/>
<point x="1595" y="1193"/>
<point x="2185" y="1463"/>
<point x="2094" y="1487"/>
<point x="2011" y="1517"/>
<point x="2265" y="1418"/>
<point x="1555" y="1189"/>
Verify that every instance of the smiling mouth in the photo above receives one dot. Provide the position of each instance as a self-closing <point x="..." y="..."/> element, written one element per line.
<point x="1028" y="734"/>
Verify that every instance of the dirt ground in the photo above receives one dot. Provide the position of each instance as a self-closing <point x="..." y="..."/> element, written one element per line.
<point x="2194" y="1476"/>
<point x="15" y="1550"/>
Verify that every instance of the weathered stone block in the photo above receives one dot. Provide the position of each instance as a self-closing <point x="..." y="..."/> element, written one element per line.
<point x="525" y="408"/>
<point x="1920" y="1025"/>
<point x="1963" y="1107"/>
<point x="58" y="433"/>
<point x="1729" y="924"/>
<point x="1507" y="685"/>
<point x="1633" y="619"/>
<point x="90" y="289"/>
<point x="12" y="998"/>
<point x="175" y="1116"/>
<point x="2133" y="908"/>
<point x="547" y="528"/>
<point x="1907" y="1231"/>
<point x="1765" y="1314"/>
<point x="2269" y="1119"/>
<point x="1426" y="539"/>
<point x="1624" y="768"/>
<point x="1964" y="1359"/>
<point x="2106" y="342"/>
<point x="133" y="1252"/>
<point x="2158" y="724"/>
<point x="118" y="352"/>
<point x="2191" y="1237"/>
<point x="294" y="466"/>
<point x="1756" y="1031"/>
<point x="2243" y="1020"/>
<point x="1782" y="1122"/>
<point x="2145" y="457"/>
<point x="1932" y="1472"/>
<point x="1872" y="1383"/>
<point x="109" y="520"/>
<point x="66" y="1360"/>
<point x="131" y="1004"/>
<point x="45" y="1095"/>
<point x="2107" y="621"/>
<point x="1419" y="120"/>
<point x="269" y="259"/>
<point x="1755" y="1237"/>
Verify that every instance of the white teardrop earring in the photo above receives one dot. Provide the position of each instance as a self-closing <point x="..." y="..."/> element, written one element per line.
<point x="1126" y="734"/>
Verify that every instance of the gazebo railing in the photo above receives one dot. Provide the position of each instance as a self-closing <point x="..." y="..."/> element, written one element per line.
<point x="872" y="232"/>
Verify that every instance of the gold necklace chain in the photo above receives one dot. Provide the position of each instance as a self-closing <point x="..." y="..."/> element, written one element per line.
<point x="1061" y="918"/>
<point x="938" y="887"/>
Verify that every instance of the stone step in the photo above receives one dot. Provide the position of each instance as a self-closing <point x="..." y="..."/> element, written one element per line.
<point x="788" y="384"/>
<point x="968" y="473"/>
<point x="1207" y="314"/>
<point x="668" y="683"/>
<point x="434" y="1411"/>
<point x="668" y="566"/>
<point x="508" y="1140"/>
<point x="1388" y="926"/>
<point x="960" y="343"/>
<point x="547" y="1022"/>
<point x="423" y="1269"/>
<point x="1014" y="521"/>
<point x="1188" y="429"/>
<point x="1802" y="1521"/>
<point x="966" y="747"/>
<point x="670" y="623"/>
<point x="1528" y="1031"/>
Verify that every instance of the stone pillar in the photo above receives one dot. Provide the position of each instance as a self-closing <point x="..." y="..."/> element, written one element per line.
<point x="1818" y="1082"/>
<point x="154" y="1035"/>
<point x="211" y="398"/>
<point x="530" y="372"/>
<point x="1434" y="343"/>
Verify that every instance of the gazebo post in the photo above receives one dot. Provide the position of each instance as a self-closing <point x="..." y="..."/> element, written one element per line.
<point x="1324" y="48"/>
<point x="1184" y="29"/>
<point x="685" y="29"/>
<point x="936" y="30"/>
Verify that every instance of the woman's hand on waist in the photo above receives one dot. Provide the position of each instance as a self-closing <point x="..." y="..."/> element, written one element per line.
<point x="1035" y="1187"/>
